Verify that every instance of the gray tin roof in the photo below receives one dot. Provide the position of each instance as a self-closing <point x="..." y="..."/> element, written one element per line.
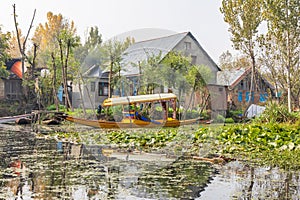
<point x="95" y="72"/>
<point x="233" y="76"/>
<point x="141" y="51"/>
<point x="229" y="77"/>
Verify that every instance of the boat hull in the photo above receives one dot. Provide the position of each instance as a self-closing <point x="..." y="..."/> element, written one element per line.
<point x="15" y="118"/>
<point x="134" y="123"/>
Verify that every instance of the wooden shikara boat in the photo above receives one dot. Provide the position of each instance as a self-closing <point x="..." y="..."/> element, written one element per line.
<point x="15" y="118"/>
<point x="131" y="117"/>
<point x="135" y="123"/>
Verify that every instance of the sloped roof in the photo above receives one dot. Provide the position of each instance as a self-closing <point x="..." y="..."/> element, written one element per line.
<point x="143" y="34"/>
<point x="230" y="77"/>
<point x="15" y="66"/>
<point x="141" y="51"/>
<point x="94" y="72"/>
<point x="234" y="76"/>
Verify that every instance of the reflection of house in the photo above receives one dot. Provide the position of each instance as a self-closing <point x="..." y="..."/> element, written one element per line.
<point x="94" y="89"/>
<point x="238" y="83"/>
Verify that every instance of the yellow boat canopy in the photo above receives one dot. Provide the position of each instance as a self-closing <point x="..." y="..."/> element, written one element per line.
<point x="138" y="99"/>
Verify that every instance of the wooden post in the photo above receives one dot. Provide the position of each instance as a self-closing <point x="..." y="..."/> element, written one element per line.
<point x="164" y="106"/>
<point x="173" y="101"/>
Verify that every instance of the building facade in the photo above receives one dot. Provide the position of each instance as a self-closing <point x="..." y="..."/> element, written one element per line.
<point x="93" y="88"/>
<point x="132" y="71"/>
<point x="238" y="84"/>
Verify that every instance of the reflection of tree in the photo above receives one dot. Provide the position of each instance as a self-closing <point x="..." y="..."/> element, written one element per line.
<point x="54" y="174"/>
<point x="249" y="192"/>
<point x="181" y="179"/>
<point x="113" y="181"/>
<point x="256" y="182"/>
<point x="287" y="187"/>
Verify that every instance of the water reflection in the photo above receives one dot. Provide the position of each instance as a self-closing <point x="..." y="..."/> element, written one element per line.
<point x="238" y="180"/>
<point x="35" y="168"/>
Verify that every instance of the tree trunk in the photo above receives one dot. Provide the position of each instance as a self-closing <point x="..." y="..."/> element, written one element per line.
<point x="88" y="94"/>
<point x="288" y="59"/>
<point x="110" y="79"/>
<point x="66" y="75"/>
<point x="252" y="81"/>
<point x="63" y="73"/>
<point x="56" y="101"/>
<point x="81" y="95"/>
<point x="22" y="50"/>
<point x="189" y="104"/>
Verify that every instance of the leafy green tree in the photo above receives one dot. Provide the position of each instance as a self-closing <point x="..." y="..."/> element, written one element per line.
<point x="151" y="74"/>
<point x="244" y="18"/>
<point x="168" y="72"/>
<point x="67" y="42"/>
<point x="87" y="55"/>
<point x="90" y="53"/>
<point x="176" y="66"/>
<point x="94" y="38"/>
<point x="13" y="50"/>
<point x="175" y="72"/>
<point x="112" y="51"/>
<point x="196" y="76"/>
<point x="282" y="44"/>
<point x="56" y="40"/>
<point x="229" y="62"/>
<point x="4" y="39"/>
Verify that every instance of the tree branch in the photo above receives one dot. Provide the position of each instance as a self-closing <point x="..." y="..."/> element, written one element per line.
<point x="29" y="27"/>
<point x="17" y="30"/>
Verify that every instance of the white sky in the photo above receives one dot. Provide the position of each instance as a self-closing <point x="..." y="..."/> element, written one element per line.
<point x="201" y="17"/>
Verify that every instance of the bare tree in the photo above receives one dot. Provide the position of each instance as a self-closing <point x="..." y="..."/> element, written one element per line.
<point x="22" y="47"/>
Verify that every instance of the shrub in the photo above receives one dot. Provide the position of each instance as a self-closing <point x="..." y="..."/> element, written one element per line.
<point x="205" y="114"/>
<point x="219" y="119"/>
<point x="229" y="120"/>
<point x="277" y="113"/>
<point x="53" y="107"/>
<point x="234" y="113"/>
<point x="191" y="114"/>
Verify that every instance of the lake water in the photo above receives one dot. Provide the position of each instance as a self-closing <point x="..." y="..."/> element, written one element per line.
<point x="39" y="168"/>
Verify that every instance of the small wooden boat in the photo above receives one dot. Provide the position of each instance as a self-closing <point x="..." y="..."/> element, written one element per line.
<point x="16" y="118"/>
<point x="132" y="107"/>
<point x="130" y="124"/>
<point x="23" y="120"/>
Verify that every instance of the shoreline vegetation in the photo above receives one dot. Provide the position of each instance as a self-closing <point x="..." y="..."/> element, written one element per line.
<point x="273" y="145"/>
<point x="271" y="140"/>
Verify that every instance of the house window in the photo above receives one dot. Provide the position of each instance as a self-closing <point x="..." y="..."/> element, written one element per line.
<point x="103" y="89"/>
<point x="241" y="85"/>
<point x="188" y="45"/>
<point x="194" y="59"/>
<point x="93" y="86"/>
<point x="263" y="97"/>
<point x="240" y="96"/>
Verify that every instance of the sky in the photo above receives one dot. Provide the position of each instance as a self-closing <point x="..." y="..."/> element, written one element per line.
<point x="200" y="17"/>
